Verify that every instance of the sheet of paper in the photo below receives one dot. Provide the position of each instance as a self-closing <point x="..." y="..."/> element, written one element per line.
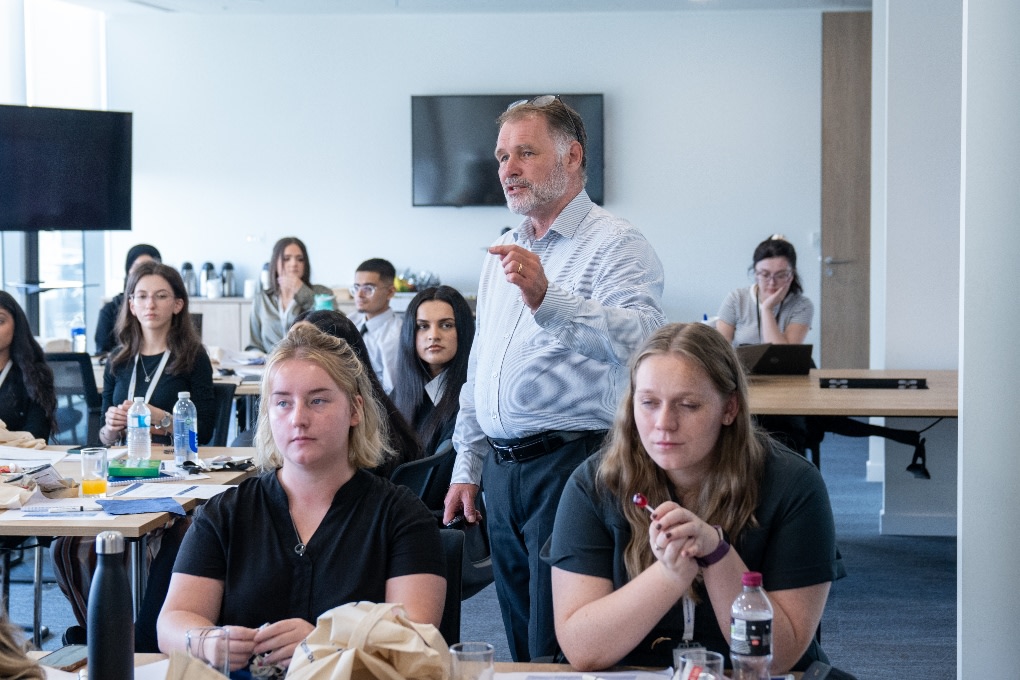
<point x="27" y="458"/>
<point x="64" y="516"/>
<point x="171" y="490"/>
<point x="153" y="671"/>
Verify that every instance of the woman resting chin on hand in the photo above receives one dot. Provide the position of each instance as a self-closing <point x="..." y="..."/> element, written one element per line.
<point x="628" y="584"/>
<point x="313" y="532"/>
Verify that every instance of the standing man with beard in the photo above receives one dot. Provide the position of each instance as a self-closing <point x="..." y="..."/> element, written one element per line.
<point x="563" y="301"/>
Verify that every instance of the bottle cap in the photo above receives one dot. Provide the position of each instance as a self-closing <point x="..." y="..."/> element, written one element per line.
<point x="139" y="399"/>
<point x="109" y="543"/>
<point x="184" y="395"/>
<point x="751" y="578"/>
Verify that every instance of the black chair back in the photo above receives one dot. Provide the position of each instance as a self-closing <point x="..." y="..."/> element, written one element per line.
<point x="453" y="553"/>
<point x="428" y="478"/>
<point x="224" y="393"/>
<point x="78" y="399"/>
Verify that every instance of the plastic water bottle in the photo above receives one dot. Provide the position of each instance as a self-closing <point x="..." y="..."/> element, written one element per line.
<point x="110" y="632"/>
<point x="751" y="631"/>
<point x="139" y="439"/>
<point x="78" y="339"/>
<point x="185" y="429"/>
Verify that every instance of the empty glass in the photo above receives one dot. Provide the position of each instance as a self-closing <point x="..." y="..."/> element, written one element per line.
<point x="697" y="664"/>
<point x="471" y="661"/>
<point x="211" y="645"/>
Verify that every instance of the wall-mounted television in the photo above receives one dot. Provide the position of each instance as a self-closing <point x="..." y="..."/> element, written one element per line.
<point x="453" y="140"/>
<point x="64" y="169"/>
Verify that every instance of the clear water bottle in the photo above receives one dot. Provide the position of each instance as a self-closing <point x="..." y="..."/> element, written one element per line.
<point x="110" y="632"/>
<point x="751" y="631"/>
<point x="139" y="439"/>
<point x="78" y="339"/>
<point x="185" y="429"/>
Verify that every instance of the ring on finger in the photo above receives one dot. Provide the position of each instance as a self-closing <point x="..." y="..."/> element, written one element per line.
<point x="520" y="267"/>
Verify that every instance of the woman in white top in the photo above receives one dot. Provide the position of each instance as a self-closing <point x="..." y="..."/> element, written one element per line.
<point x="773" y="309"/>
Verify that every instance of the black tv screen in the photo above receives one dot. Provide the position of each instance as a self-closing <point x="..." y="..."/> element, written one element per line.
<point x="453" y="142"/>
<point x="64" y="169"/>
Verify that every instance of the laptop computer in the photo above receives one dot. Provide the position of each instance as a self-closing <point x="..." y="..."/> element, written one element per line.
<point x="769" y="359"/>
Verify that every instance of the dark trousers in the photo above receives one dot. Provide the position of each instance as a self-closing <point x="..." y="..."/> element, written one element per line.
<point x="521" y="501"/>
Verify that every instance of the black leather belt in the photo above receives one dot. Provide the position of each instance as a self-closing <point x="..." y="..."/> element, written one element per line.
<point x="535" y="446"/>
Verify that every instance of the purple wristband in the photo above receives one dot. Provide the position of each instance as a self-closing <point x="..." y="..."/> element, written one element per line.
<point x="717" y="554"/>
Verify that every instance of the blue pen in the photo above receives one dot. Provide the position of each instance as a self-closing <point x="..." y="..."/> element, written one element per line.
<point x="184" y="491"/>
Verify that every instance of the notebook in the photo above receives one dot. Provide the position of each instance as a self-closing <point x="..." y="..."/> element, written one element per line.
<point x="769" y="359"/>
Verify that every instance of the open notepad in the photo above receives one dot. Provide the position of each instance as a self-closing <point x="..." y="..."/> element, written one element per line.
<point x="163" y="477"/>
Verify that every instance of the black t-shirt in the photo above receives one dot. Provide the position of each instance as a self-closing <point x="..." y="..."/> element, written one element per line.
<point x="793" y="546"/>
<point x="198" y="383"/>
<point x="373" y="531"/>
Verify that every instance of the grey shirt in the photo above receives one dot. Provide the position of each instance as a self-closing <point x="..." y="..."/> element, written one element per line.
<point x="269" y="323"/>
<point x="740" y="310"/>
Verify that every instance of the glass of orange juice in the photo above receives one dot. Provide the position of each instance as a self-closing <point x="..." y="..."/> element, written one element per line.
<point x="94" y="464"/>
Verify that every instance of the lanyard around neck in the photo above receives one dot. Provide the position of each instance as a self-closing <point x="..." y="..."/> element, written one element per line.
<point x="155" y="376"/>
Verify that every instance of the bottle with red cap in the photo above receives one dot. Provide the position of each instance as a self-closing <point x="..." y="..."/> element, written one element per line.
<point x="751" y="631"/>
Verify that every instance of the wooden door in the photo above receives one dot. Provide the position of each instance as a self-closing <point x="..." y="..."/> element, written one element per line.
<point x="846" y="189"/>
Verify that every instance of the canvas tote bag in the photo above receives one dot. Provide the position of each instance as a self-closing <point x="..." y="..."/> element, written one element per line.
<point x="362" y="641"/>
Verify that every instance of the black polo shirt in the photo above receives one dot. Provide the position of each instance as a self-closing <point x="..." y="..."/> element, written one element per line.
<point x="244" y="537"/>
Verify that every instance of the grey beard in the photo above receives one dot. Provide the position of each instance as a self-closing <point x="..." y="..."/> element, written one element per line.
<point x="540" y="194"/>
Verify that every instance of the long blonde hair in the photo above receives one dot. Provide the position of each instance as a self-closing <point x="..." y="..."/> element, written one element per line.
<point x="14" y="662"/>
<point x="367" y="447"/>
<point x="731" y="490"/>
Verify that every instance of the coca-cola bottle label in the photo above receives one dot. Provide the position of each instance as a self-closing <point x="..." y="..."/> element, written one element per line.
<point x="751" y="638"/>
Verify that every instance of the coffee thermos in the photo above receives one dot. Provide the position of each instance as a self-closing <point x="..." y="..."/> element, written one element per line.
<point x="111" y="631"/>
<point x="190" y="280"/>
<point x="229" y="284"/>
<point x="207" y="274"/>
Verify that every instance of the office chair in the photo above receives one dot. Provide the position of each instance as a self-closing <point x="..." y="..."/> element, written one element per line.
<point x="224" y="393"/>
<point x="817" y="426"/>
<point x="453" y="554"/>
<point x="428" y="478"/>
<point x="75" y="383"/>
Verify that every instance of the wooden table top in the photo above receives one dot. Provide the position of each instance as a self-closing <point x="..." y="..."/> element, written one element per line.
<point x="802" y="395"/>
<point x="132" y="526"/>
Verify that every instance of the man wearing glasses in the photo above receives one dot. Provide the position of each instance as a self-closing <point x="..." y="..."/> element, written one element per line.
<point x="380" y="327"/>
<point x="563" y="301"/>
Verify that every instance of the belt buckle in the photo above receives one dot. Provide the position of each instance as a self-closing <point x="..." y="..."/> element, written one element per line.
<point x="511" y="454"/>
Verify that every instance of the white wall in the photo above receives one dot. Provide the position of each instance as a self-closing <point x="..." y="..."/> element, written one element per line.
<point x="248" y="129"/>
<point x="989" y="429"/>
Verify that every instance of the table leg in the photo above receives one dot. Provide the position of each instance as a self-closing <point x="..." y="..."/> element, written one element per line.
<point x="139" y="570"/>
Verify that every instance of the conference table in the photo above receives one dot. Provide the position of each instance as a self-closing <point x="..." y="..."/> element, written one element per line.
<point x="134" y="527"/>
<point x="911" y="505"/>
<point x="803" y="395"/>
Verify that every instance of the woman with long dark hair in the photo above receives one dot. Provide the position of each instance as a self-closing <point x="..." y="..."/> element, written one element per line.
<point x="27" y="398"/>
<point x="159" y="354"/>
<point x="402" y="440"/>
<point x="435" y="342"/>
<point x="290" y="293"/>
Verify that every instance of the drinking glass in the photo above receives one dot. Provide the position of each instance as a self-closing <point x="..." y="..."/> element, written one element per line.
<point x="697" y="664"/>
<point x="471" y="661"/>
<point x="94" y="465"/>
<point x="211" y="645"/>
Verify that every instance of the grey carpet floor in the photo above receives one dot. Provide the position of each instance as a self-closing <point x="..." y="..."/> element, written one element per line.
<point x="892" y="617"/>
